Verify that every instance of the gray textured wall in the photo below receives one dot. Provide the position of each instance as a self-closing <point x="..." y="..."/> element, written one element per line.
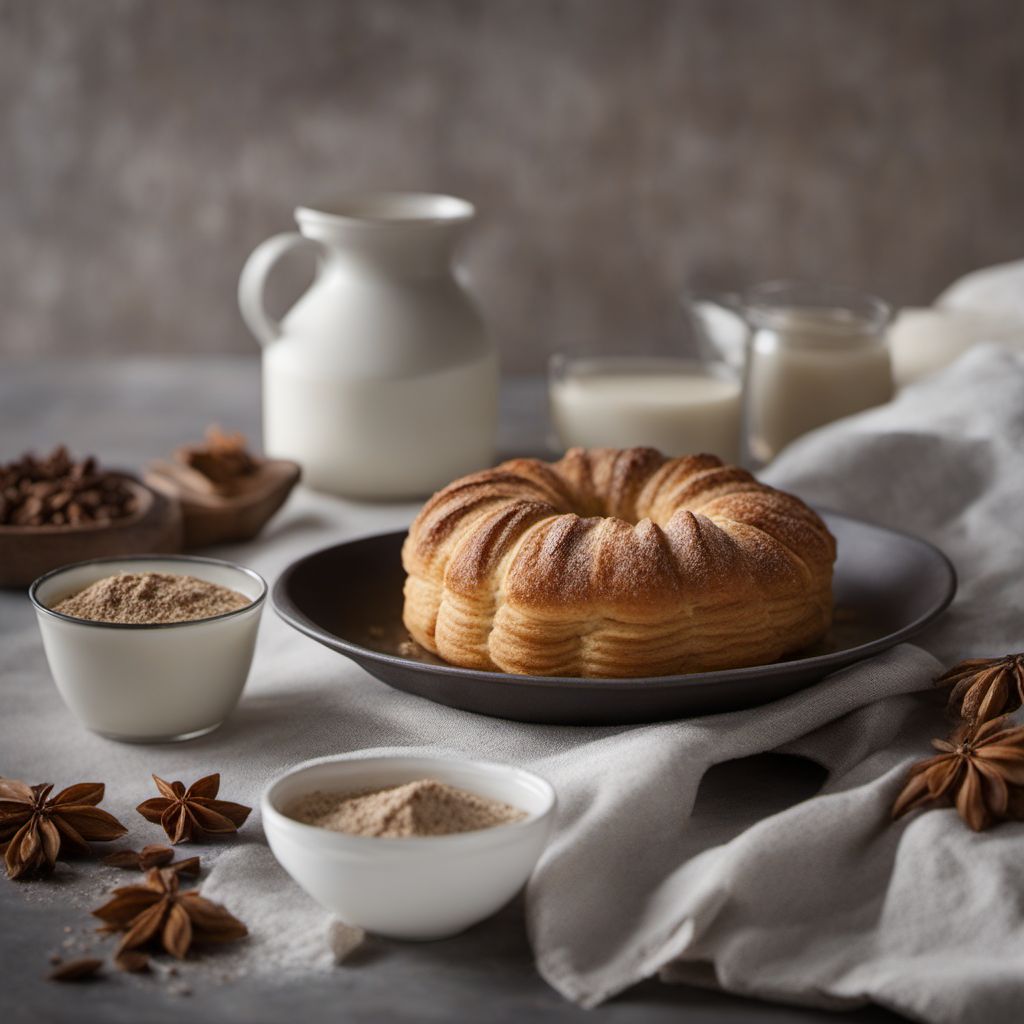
<point x="614" y="148"/>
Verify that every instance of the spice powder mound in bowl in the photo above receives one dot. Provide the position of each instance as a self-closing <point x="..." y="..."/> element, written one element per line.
<point x="425" y="807"/>
<point x="409" y="847"/>
<point x="150" y="648"/>
<point x="150" y="599"/>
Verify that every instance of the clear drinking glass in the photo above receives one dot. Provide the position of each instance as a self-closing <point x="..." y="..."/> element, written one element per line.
<point x="680" y="406"/>
<point x="815" y="353"/>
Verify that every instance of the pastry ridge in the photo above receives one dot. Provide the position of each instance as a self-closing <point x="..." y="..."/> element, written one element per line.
<point x="616" y="563"/>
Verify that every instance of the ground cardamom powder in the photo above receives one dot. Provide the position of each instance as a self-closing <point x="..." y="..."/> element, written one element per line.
<point x="422" y="808"/>
<point x="151" y="598"/>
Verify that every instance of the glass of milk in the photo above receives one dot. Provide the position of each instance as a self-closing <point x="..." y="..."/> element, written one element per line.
<point x="815" y="353"/>
<point x="679" y="406"/>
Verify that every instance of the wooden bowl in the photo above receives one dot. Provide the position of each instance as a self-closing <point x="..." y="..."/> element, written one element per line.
<point x="153" y="528"/>
<point x="215" y="515"/>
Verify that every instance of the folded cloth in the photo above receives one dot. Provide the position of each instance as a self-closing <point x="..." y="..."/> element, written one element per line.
<point x="996" y="292"/>
<point x="669" y="855"/>
<point x="984" y="306"/>
<point x="825" y="903"/>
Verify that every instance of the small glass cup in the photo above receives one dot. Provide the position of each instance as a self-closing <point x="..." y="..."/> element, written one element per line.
<point x="816" y="353"/>
<point x="679" y="406"/>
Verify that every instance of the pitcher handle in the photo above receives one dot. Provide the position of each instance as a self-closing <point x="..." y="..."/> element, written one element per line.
<point x="253" y="278"/>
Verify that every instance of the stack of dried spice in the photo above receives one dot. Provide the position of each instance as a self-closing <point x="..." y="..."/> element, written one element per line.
<point x="57" y="490"/>
<point x="223" y="459"/>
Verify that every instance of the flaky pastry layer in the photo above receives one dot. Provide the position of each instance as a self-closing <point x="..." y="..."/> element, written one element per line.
<point x="616" y="563"/>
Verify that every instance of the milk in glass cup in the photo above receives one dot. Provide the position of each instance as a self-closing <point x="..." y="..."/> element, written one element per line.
<point x="809" y="354"/>
<point x="679" y="406"/>
<point x="816" y="354"/>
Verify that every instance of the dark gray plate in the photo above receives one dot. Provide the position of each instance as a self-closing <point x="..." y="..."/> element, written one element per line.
<point x="887" y="586"/>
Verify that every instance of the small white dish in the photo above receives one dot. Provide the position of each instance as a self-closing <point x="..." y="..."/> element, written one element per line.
<point x="421" y="887"/>
<point x="149" y="683"/>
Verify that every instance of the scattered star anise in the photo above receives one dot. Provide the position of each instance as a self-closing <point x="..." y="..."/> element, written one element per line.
<point x="156" y="912"/>
<point x="132" y="961"/>
<point x="152" y="856"/>
<point x="977" y="770"/>
<point x="155" y="855"/>
<point x="82" y="969"/>
<point x="35" y="829"/>
<point x="195" y="812"/>
<point x="985" y="688"/>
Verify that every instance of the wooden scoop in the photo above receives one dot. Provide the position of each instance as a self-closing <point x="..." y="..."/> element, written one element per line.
<point x="218" y="513"/>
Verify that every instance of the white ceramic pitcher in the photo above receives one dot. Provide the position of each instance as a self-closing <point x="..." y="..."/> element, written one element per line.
<point x="381" y="380"/>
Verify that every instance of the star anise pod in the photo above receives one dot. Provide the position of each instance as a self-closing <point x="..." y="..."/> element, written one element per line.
<point x="156" y="912"/>
<point x="195" y="812"/>
<point x="153" y="856"/>
<point x="82" y="969"/>
<point x="132" y="962"/>
<point x="985" y="688"/>
<point x="35" y="829"/>
<point x="976" y="770"/>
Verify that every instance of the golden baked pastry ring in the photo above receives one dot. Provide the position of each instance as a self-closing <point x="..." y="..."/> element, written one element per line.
<point x="616" y="562"/>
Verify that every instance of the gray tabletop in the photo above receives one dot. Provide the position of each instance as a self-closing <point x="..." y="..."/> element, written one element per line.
<point x="132" y="410"/>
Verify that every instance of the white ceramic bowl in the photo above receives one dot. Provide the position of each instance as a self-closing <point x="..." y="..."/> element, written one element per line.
<point x="149" y="683"/>
<point x="421" y="887"/>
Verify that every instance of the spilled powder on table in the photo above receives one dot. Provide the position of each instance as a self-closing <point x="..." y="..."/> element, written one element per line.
<point x="289" y="934"/>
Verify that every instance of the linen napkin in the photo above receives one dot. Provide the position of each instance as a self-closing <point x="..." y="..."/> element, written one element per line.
<point x="670" y="855"/>
<point x="824" y="903"/>
<point x="986" y="305"/>
<point x="996" y="292"/>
